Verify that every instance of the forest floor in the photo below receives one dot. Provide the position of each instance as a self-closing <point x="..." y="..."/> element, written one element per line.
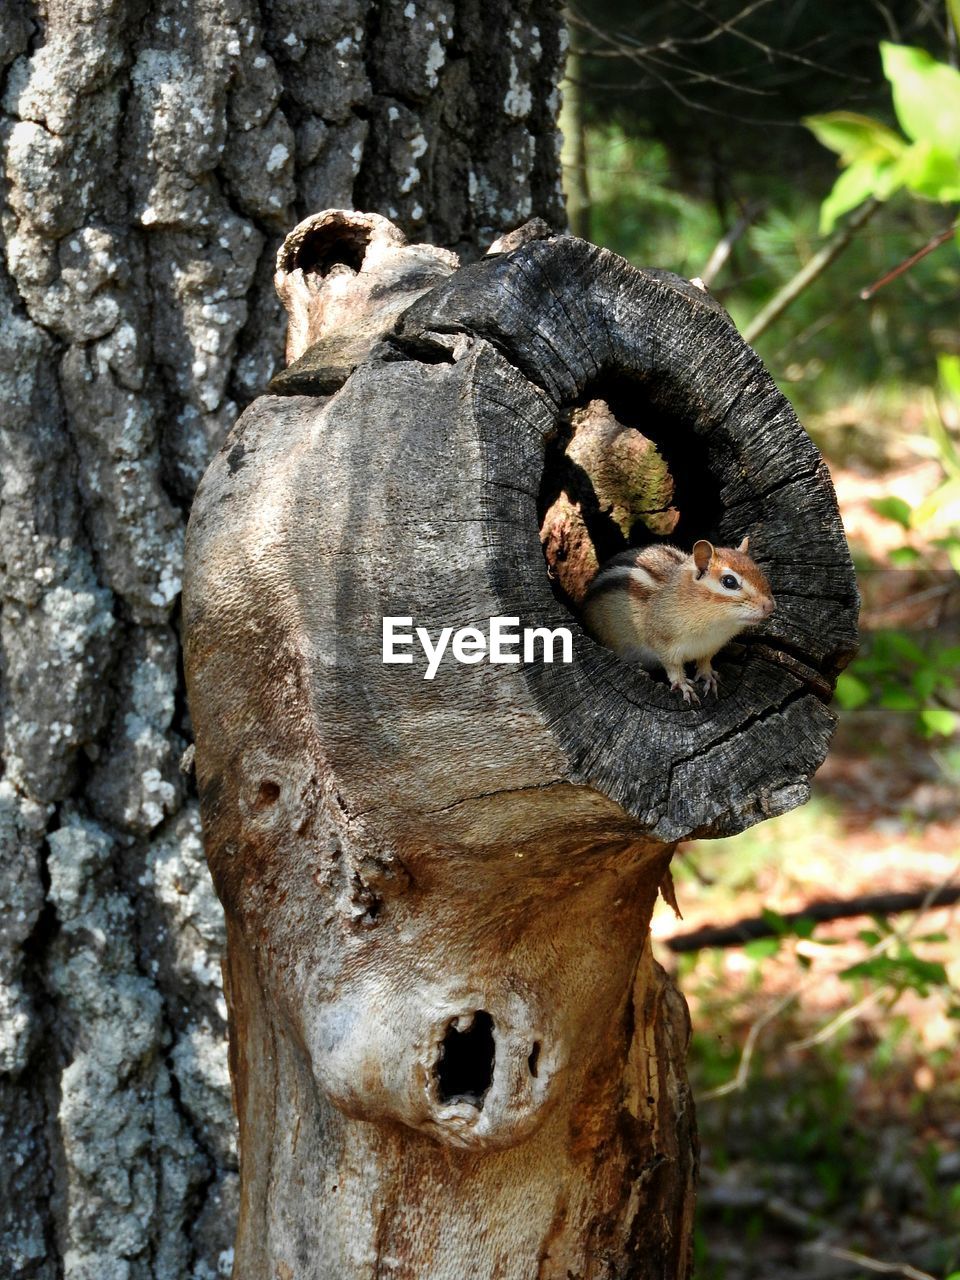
<point x="826" y="1062"/>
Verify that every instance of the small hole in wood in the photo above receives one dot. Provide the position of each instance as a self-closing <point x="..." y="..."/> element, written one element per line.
<point x="321" y="250"/>
<point x="268" y="794"/>
<point x="464" y="1067"/>
<point x="533" y="1061"/>
<point x="622" y="470"/>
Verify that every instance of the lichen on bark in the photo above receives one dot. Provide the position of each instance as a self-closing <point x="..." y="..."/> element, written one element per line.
<point x="154" y="156"/>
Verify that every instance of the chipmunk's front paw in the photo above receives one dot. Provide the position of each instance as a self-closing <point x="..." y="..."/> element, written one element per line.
<point x="687" y="688"/>
<point x="710" y="681"/>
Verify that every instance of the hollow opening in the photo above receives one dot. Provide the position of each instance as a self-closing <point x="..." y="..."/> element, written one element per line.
<point x="533" y="1059"/>
<point x="465" y="1065"/>
<point x="622" y="470"/>
<point x="331" y="245"/>
<point x="268" y="794"/>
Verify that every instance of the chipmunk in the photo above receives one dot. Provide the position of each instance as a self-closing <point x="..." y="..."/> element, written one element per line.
<point x="662" y="607"/>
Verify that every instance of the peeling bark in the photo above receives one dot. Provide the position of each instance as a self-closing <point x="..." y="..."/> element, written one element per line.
<point x="153" y="157"/>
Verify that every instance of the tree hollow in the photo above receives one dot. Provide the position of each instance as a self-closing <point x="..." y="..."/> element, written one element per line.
<point x="439" y="882"/>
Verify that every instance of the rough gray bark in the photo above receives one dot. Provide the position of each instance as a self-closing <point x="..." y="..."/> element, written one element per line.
<point x="408" y="863"/>
<point x="154" y="153"/>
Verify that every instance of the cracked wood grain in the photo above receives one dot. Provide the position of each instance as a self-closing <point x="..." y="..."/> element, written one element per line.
<point x="500" y="833"/>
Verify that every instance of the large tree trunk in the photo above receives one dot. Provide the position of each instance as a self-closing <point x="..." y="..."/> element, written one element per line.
<point x="154" y="155"/>
<point x="573" y="127"/>
<point x="452" y="1053"/>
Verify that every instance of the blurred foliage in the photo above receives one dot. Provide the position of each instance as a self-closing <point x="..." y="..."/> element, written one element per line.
<point x="738" y="863"/>
<point x="724" y="85"/>
<point x="878" y="161"/>
<point x="694" y="122"/>
<point x="828" y="1137"/>
<point x="890" y="344"/>
<point x="901" y="675"/>
<point x="919" y="675"/>
<point x="694" y="116"/>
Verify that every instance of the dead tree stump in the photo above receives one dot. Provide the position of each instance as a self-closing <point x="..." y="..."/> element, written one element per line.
<point x="453" y="1055"/>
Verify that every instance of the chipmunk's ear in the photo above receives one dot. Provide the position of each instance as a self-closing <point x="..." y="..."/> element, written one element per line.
<point x="702" y="555"/>
<point x="744" y="544"/>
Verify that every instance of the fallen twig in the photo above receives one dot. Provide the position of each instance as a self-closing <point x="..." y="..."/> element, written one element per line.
<point x="869" y="904"/>
<point x="873" y="1264"/>
<point x="896" y="935"/>
<point x="829" y="1029"/>
<point x="753" y="1035"/>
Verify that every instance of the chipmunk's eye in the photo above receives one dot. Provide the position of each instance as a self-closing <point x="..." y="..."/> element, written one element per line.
<point x="729" y="581"/>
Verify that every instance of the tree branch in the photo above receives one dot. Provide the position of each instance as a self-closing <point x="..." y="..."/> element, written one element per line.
<point x="811" y="271"/>
<point x="941" y="238"/>
<point x="874" y="1264"/>
<point x="870" y="904"/>
<point x="724" y="246"/>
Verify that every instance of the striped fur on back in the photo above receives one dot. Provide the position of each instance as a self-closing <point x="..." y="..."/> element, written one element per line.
<point x="663" y="607"/>
<point x="640" y="572"/>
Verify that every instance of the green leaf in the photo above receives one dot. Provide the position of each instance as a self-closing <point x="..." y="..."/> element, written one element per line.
<point x="864" y="178"/>
<point x="762" y="948"/>
<point x="948" y="371"/>
<point x="926" y="95"/>
<point x="939" y="721"/>
<point x="934" y="503"/>
<point x="775" y="921"/>
<point x="930" y="171"/>
<point x="947" y="449"/>
<point x="803" y="927"/>
<point x="853" y="136"/>
<point x="851" y="691"/>
<point x="893" y="509"/>
<point x="902" y="646"/>
<point x="924" y="971"/>
<point x="895" y="698"/>
<point x="925" y="681"/>
<point x="902" y="971"/>
<point x="904" y="557"/>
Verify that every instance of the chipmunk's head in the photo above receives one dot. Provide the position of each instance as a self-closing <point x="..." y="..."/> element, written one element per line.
<point x="732" y="581"/>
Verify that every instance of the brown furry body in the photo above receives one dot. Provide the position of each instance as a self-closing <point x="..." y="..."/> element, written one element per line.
<point x="662" y="606"/>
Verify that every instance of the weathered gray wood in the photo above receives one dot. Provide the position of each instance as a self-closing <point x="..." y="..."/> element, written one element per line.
<point x="400" y="858"/>
<point x="423" y="858"/>
<point x="327" y="270"/>
<point x="583" y="325"/>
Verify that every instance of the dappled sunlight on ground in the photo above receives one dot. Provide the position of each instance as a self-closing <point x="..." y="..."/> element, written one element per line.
<point x="828" y="1098"/>
<point x="826" y="1060"/>
<point x="858" y="487"/>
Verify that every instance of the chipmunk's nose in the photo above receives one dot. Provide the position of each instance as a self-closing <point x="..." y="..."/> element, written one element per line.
<point x="768" y="606"/>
